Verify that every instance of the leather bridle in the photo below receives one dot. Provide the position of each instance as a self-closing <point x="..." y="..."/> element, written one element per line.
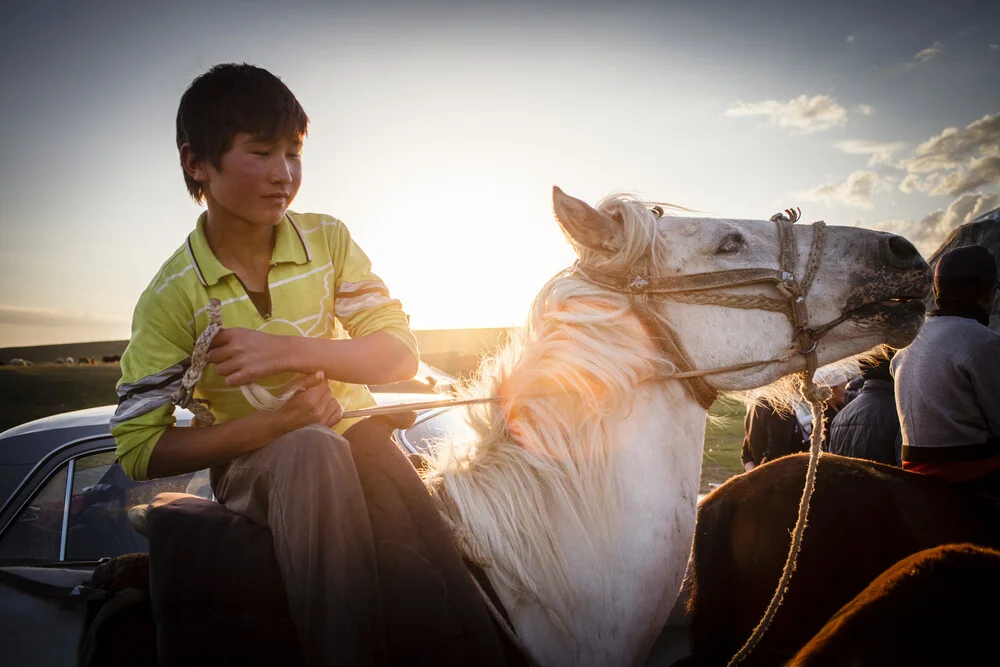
<point x="702" y="288"/>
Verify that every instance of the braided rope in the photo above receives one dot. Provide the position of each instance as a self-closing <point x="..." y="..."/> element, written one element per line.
<point x="183" y="396"/>
<point x="261" y="399"/>
<point x="745" y="301"/>
<point x="817" y="396"/>
<point x="256" y="395"/>
<point x="812" y="267"/>
<point x="466" y="541"/>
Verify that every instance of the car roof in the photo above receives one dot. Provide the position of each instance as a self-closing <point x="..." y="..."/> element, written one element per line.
<point x="86" y="419"/>
<point x="93" y="420"/>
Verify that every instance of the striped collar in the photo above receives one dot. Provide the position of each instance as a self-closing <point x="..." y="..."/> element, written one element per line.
<point x="289" y="246"/>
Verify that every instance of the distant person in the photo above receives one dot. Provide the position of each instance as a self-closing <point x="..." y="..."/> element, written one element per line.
<point x="948" y="379"/>
<point x="770" y="433"/>
<point x="290" y="284"/>
<point x="853" y="388"/>
<point x="837" y="380"/>
<point x="868" y="427"/>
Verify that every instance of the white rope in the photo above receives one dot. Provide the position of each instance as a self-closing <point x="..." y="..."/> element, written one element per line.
<point x="817" y="397"/>
<point x="261" y="399"/>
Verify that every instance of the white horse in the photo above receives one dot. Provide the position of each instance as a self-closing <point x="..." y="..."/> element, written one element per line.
<point x="582" y="484"/>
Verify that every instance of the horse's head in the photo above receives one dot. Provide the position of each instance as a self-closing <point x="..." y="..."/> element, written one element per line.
<point x="731" y="292"/>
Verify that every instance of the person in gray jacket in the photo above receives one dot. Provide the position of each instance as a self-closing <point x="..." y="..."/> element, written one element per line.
<point x="948" y="378"/>
<point x="868" y="426"/>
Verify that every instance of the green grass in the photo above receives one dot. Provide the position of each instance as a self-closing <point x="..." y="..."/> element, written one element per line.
<point x="32" y="392"/>
<point x="723" y="442"/>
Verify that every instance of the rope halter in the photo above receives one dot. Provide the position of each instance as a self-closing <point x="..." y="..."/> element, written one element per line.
<point x="700" y="288"/>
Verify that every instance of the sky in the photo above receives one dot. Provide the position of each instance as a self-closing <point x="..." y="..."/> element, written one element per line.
<point x="437" y="130"/>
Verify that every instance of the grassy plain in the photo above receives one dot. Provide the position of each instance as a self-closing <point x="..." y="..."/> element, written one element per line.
<point x="32" y="392"/>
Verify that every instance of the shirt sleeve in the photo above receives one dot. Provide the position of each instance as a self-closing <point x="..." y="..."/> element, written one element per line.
<point x="158" y="353"/>
<point x="362" y="302"/>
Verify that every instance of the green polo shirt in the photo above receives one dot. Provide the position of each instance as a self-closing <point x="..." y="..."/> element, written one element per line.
<point x="320" y="284"/>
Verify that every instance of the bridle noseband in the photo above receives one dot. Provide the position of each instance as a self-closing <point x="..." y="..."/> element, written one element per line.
<point x="700" y="288"/>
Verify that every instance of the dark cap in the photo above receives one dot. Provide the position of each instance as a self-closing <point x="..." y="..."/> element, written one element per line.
<point x="963" y="270"/>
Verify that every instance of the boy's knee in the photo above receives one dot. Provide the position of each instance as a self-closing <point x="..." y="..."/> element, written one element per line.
<point x="311" y="446"/>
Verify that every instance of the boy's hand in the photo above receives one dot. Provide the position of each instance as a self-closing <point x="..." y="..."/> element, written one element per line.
<point x="314" y="404"/>
<point x="242" y="356"/>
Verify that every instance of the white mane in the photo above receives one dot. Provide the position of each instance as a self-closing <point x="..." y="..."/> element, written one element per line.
<point x="787" y="390"/>
<point x="574" y="365"/>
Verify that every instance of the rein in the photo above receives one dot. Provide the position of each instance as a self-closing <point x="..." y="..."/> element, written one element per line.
<point x="693" y="288"/>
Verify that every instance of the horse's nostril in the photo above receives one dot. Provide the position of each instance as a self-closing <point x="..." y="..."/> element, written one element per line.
<point x="902" y="253"/>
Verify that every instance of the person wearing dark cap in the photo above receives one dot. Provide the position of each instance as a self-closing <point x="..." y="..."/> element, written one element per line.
<point x="948" y="379"/>
<point x="868" y="426"/>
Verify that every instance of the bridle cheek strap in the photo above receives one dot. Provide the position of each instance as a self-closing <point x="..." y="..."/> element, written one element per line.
<point x="701" y="288"/>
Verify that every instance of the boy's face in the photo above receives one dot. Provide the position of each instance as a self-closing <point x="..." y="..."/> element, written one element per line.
<point x="257" y="180"/>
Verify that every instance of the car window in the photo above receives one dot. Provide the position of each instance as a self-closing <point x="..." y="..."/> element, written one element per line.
<point x="101" y="496"/>
<point x="447" y="424"/>
<point x="97" y="522"/>
<point x="36" y="533"/>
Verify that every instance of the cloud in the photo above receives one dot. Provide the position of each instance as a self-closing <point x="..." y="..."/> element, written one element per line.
<point x="930" y="52"/>
<point x="994" y="47"/>
<point x="850" y="38"/>
<point x="982" y="171"/>
<point x="880" y="152"/>
<point x="802" y="115"/>
<point x="956" y="161"/>
<point x="865" y="109"/>
<point x="913" y="183"/>
<point x="16" y="315"/>
<point x="857" y="190"/>
<point x="951" y="148"/>
<point x="932" y="230"/>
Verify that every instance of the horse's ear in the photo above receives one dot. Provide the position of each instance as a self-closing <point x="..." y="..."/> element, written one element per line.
<point x="584" y="225"/>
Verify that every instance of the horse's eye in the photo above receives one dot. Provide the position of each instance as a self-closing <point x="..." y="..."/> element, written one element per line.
<point x="732" y="243"/>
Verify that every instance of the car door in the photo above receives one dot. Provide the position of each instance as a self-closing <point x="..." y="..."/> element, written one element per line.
<point x="68" y="514"/>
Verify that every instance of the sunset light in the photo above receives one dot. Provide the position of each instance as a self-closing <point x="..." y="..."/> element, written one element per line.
<point x="438" y="144"/>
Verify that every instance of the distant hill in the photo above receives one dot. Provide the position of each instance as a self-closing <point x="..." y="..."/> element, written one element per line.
<point x="42" y="354"/>
<point x="457" y="348"/>
<point x="983" y="232"/>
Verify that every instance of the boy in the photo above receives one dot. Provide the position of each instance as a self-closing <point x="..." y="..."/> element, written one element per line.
<point x="287" y="282"/>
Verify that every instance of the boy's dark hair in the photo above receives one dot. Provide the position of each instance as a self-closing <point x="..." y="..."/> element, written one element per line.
<point x="233" y="98"/>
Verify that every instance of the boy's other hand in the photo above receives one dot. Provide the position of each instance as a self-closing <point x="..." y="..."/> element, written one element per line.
<point x="313" y="404"/>
<point x="242" y="356"/>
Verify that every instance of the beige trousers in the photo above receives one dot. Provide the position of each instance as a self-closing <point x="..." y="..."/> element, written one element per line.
<point x="305" y="488"/>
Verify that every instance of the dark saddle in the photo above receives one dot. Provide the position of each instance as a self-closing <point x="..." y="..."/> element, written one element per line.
<point x="215" y="590"/>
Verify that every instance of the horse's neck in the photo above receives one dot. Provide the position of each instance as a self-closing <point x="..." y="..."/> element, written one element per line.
<point x="624" y="574"/>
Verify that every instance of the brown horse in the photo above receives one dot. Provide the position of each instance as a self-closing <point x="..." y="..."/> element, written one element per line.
<point x="937" y="607"/>
<point x="864" y="518"/>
